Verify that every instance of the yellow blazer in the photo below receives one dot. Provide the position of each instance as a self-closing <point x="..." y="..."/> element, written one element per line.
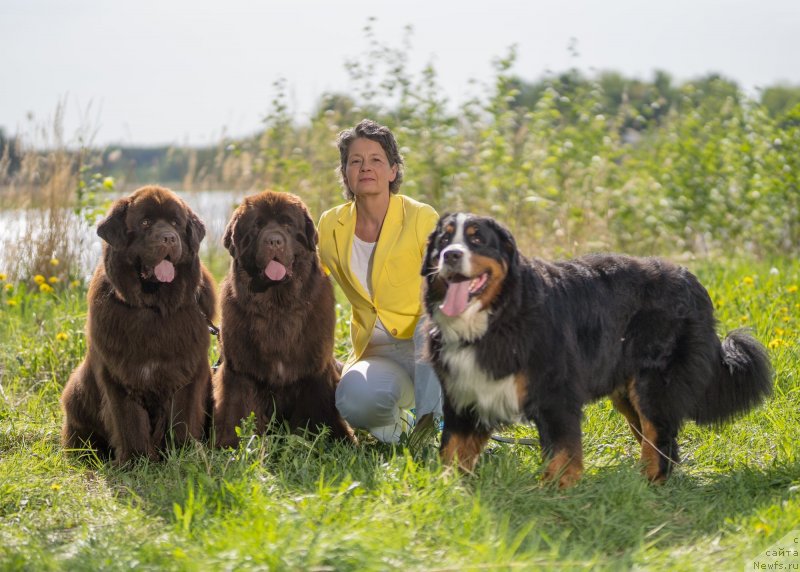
<point x="396" y="279"/>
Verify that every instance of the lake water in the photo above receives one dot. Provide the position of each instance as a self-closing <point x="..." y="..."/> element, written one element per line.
<point x="213" y="207"/>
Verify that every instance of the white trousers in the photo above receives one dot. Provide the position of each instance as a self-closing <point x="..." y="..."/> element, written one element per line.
<point x="377" y="391"/>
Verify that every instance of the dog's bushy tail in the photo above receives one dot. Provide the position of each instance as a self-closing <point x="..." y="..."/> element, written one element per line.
<point x="743" y="380"/>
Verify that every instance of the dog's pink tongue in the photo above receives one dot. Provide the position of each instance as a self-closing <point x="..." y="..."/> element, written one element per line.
<point x="164" y="271"/>
<point x="455" y="301"/>
<point x="275" y="270"/>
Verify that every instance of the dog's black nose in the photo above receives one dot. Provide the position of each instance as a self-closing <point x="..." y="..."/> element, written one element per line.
<point x="274" y="240"/>
<point x="453" y="256"/>
<point x="169" y="238"/>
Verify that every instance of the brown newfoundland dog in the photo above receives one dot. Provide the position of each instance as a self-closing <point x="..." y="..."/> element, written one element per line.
<point x="146" y="379"/>
<point x="277" y="326"/>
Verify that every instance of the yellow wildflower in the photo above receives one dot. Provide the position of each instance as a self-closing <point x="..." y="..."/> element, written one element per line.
<point x="46" y="288"/>
<point x="54" y="262"/>
<point x="785" y="309"/>
<point x="780" y="331"/>
<point x="786" y="319"/>
<point x="776" y="343"/>
<point x="763" y="528"/>
<point x="39" y="279"/>
<point x="2" y="277"/>
<point x="74" y="283"/>
<point x="792" y="289"/>
<point x="748" y="280"/>
<point x="9" y="287"/>
<point x="55" y="487"/>
<point x="11" y="303"/>
<point x="62" y="337"/>
<point x="744" y="319"/>
<point x="53" y="280"/>
<point x="108" y="183"/>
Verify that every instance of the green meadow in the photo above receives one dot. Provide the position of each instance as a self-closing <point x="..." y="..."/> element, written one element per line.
<point x="288" y="501"/>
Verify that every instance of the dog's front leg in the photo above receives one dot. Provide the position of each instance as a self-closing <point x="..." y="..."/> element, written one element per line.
<point x="463" y="439"/>
<point x="128" y="425"/>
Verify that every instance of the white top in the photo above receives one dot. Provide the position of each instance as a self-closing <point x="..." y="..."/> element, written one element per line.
<point x="361" y="262"/>
<point x="361" y="265"/>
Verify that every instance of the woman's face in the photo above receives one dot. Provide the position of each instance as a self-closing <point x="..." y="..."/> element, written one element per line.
<point x="368" y="171"/>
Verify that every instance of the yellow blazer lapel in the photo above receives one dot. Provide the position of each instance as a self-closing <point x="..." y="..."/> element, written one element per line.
<point x="343" y="235"/>
<point x="390" y="232"/>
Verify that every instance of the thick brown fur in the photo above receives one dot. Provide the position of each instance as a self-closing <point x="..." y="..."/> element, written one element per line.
<point x="277" y="336"/>
<point x="146" y="379"/>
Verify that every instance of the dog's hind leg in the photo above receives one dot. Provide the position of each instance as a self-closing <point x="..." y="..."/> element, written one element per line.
<point x="622" y="403"/>
<point x="82" y="428"/>
<point x="658" y="439"/>
<point x="76" y="437"/>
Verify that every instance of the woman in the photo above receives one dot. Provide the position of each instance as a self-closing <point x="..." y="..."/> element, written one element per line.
<point x="373" y="246"/>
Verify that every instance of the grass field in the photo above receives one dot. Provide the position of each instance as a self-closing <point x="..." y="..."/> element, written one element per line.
<point x="289" y="502"/>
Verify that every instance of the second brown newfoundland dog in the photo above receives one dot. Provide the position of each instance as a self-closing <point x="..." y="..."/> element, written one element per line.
<point x="277" y="326"/>
<point x="146" y="378"/>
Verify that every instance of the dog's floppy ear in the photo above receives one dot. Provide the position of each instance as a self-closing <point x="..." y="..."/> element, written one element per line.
<point x="428" y="265"/>
<point x="228" y="239"/>
<point x="311" y="236"/>
<point x="507" y="242"/>
<point x="112" y="229"/>
<point x="195" y="230"/>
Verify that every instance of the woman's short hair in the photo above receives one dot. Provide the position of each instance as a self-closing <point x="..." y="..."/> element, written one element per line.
<point x="369" y="129"/>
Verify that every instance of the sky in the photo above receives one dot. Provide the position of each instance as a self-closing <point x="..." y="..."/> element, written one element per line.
<point x="151" y="72"/>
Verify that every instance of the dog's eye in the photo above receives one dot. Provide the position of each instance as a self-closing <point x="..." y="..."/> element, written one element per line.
<point x="476" y="239"/>
<point x="145" y="222"/>
<point x="444" y="240"/>
<point x="174" y="222"/>
<point x="284" y="220"/>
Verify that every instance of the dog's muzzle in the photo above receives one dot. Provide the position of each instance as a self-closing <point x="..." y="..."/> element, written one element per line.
<point x="454" y="259"/>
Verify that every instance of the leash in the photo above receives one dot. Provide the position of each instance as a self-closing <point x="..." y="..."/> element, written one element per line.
<point x="515" y="441"/>
<point x="214" y="331"/>
<point x="533" y="442"/>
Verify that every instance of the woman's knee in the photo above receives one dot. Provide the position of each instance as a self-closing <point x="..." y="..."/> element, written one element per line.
<point x="368" y="402"/>
<point x="347" y="392"/>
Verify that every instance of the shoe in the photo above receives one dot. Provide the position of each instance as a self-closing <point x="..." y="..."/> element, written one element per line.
<point x="391" y="433"/>
<point x="425" y="431"/>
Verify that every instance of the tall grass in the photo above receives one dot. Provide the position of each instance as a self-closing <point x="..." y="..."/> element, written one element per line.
<point x="697" y="169"/>
<point x="48" y="200"/>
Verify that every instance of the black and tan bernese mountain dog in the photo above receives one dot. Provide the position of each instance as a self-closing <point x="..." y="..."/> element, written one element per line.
<point x="515" y="340"/>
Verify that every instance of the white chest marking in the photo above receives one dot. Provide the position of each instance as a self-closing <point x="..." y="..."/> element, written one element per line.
<point x="148" y="370"/>
<point x="468" y="386"/>
<point x="469" y="326"/>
